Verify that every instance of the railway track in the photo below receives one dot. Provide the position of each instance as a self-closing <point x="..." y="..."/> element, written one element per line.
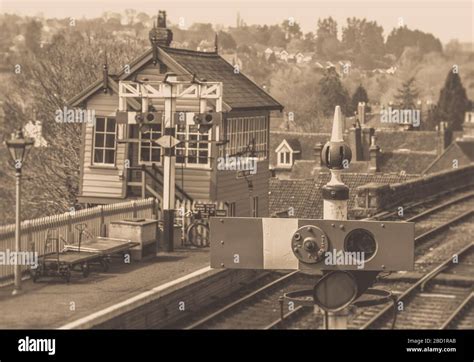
<point x="263" y="308"/>
<point x="427" y="304"/>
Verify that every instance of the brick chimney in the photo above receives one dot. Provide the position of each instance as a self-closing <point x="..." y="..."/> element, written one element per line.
<point x="355" y="141"/>
<point x="366" y="142"/>
<point x="361" y="112"/>
<point x="445" y="136"/>
<point x="159" y="34"/>
<point x="374" y="151"/>
<point x="468" y="125"/>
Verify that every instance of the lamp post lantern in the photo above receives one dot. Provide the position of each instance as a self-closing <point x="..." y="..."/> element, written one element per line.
<point x="18" y="147"/>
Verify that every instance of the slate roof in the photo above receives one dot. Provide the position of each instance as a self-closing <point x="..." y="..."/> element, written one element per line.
<point x="466" y="145"/>
<point x="304" y="195"/>
<point x="294" y="144"/>
<point x="389" y="140"/>
<point x="413" y="162"/>
<point x="462" y="149"/>
<point x="239" y="91"/>
<point x="420" y="151"/>
<point x="307" y="169"/>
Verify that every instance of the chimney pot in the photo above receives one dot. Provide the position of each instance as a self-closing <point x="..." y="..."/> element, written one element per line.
<point x="361" y="112"/>
<point x="159" y="35"/>
<point x="374" y="152"/>
<point x="317" y="153"/>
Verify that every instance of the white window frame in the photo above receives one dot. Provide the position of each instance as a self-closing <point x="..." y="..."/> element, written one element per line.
<point x="284" y="150"/>
<point x="241" y="130"/>
<point x="104" y="148"/>
<point x="186" y="146"/>
<point x="152" y="146"/>
<point x="287" y="158"/>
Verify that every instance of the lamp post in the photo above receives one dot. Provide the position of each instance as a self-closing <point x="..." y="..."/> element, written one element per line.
<point x="18" y="147"/>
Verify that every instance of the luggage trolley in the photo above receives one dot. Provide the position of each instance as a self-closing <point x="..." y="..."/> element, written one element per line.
<point x="102" y="248"/>
<point x="57" y="263"/>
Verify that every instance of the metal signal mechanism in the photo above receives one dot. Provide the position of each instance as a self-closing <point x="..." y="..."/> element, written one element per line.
<point x="206" y="120"/>
<point x="139" y="118"/>
<point x="149" y="118"/>
<point x="304" y="244"/>
<point x="309" y="243"/>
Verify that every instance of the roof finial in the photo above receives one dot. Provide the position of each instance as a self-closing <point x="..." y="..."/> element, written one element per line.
<point x="105" y="74"/>
<point x="216" y="44"/>
<point x="337" y="127"/>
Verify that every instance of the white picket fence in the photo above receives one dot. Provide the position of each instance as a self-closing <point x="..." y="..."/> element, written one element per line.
<point x="33" y="232"/>
<point x="97" y="219"/>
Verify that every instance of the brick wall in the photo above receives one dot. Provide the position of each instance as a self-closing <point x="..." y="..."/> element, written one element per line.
<point x="166" y="308"/>
<point x="373" y="198"/>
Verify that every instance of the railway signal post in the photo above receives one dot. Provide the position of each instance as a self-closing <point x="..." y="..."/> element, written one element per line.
<point x="336" y="155"/>
<point x="166" y="94"/>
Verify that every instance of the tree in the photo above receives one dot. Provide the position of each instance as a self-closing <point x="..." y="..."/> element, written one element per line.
<point x="277" y="37"/>
<point x="403" y="37"/>
<point x="360" y="95"/>
<point x="292" y="29"/>
<point x="33" y="35"/>
<point x="452" y="103"/>
<point x="205" y="29"/>
<point x="363" y="42"/>
<point x="351" y="35"/>
<point x="143" y="18"/>
<point x="407" y="95"/>
<point x="272" y="59"/>
<point x="130" y="14"/>
<point x="301" y="99"/>
<point x="326" y="41"/>
<point x="332" y="93"/>
<point x="47" y="80"/>
<point x="226" y="41"/>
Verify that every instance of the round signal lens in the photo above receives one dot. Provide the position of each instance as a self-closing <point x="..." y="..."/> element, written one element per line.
<point x="361" y="241"/>
<point x="150" y="117"/>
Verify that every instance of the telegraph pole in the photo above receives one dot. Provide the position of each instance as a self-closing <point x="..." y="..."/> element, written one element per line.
<point x="336" y="195"/>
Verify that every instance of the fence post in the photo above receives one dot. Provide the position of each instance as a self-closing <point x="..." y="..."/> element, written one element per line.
<point x="143" y="184"/>
<point x="154" y="207"/>
<point x="102" y="221"/>
<point x="69" y="234"/>
<point x="28" y="233"/>
<point x="134" y="212"/>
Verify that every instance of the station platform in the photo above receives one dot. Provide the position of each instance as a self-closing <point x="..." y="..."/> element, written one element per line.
<point x="52" y="303"/>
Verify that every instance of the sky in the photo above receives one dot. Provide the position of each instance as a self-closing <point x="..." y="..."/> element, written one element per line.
<point x="445" y="19"/>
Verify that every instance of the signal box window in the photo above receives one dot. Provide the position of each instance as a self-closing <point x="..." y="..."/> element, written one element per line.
<point x="104" y="141"/>
<point x="195" y="150"/>
<point x="150" y="152"/>
<point x="248" y="135"/>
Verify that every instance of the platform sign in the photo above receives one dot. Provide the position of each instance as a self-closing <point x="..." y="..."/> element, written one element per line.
<point x="206" y="209"/>
<point x="244" y="174"/>
<point x="276" y="243"/>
